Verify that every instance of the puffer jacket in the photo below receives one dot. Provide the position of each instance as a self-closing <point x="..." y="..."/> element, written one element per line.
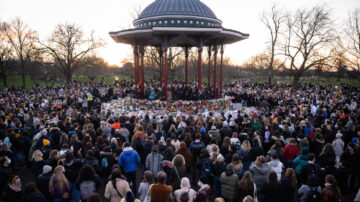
<point x="260" y="174"/>
<point x="229" y="186"/>
<point x="277" y="167"/>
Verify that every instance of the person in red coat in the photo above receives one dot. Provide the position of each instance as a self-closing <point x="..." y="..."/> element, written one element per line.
<point x="291" y="151"/>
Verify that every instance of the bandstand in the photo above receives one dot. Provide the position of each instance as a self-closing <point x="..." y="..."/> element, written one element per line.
<point x="178" y="23"/>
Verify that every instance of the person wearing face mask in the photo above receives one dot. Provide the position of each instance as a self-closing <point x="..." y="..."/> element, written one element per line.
<point x="13" y="190"/>
<point x="5" y="172"/>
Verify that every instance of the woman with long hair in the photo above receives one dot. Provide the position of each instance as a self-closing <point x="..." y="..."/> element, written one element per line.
<point x="87" y="181"/>
<point x="37" y="162"/>
<point x="272" y="190"/>
<point x="178" y="171"/>
<point x="59" y="186"/>
<point x="246" y="186"/>
<point x="243" y="154"/>
<point x="186" y="153"/>
<point x="117" y="187"/>
<point x="288" y="183"/>
<point x="327" y="158"/>
<point x="331" y="191"/>
<point x="236" y="162"/>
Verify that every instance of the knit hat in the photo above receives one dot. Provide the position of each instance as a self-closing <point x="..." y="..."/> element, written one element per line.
<point x="354" y="140"/>
<point x="126" y="144"/>
<point x="47" y="169"/>
<point x="46" y="142"/>
<point x="213" y="127"/>
<point x="225" y="124"/>
<point x="338" y="135"/>
<point x="202" y="130"/>
<point x="230" y="167"/>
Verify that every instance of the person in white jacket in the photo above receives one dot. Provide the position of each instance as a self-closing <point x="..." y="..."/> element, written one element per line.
<point x="185" y="187"/>
<point x="338" y="145"/>
<point x="276" y="165"/>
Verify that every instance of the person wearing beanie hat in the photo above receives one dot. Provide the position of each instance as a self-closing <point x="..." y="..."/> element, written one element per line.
<point x="229" y="181"/>
<point x="42" y="182"/>
<point x="47" y="169"/>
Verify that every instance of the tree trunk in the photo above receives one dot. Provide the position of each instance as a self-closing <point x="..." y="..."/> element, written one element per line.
<point x="296" y="79"/>
<point x="4" y="79"/>
<point x="270" y="75"/>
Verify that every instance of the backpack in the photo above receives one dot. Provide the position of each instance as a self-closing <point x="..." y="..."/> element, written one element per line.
<point x="87" y="188"/>
<point x="206" y="169"/>
<point x="313" y="196"/>
<point x="104" y="162"/>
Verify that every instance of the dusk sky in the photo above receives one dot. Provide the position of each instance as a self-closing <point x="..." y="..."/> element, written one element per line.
<point x="114" y="15"/>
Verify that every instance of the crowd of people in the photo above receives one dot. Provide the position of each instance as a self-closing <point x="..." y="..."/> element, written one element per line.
<point x="300" y="144"/>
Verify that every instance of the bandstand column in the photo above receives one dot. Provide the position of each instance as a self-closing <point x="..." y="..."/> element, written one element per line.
<point x="165" y="47"/>
<point x="136" y="54"/>
<point x="215" y="67"/>
<point x="142" y="72"/>
<point x="209" y="71"/>
<point x="186" y="64"/>
<point x="199" y="66"/>
<point x="221" y="68"/>
<point x="161" y="74"/>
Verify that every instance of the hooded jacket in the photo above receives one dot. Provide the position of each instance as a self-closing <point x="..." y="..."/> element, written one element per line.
<point x="128" y="159"/>
<point x="229" y="185"/>
<point x="338" y="146"/>
<point x="276" y="166"/>
<point x="260" y="174"/>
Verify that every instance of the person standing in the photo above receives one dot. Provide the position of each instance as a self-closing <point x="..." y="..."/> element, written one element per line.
<point x="195" y="148"/>
<point x="160" y="192"/>
<point x="116" y="188"/>
<point x="128" y="160"/>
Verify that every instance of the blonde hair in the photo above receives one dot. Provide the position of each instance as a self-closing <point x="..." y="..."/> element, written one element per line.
<point x="37" y="156"/>
<point x="59" y="180"/>
<point x="246" y="146"/>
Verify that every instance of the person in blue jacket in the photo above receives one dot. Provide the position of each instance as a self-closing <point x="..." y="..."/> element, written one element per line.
<point x="128" y="160"/>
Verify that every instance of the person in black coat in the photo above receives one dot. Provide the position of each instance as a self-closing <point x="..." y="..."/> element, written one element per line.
<point x="13" y="190"/>
<point x="311" y="168"/>
<point x="5" y="172"/>
<point x="255" y="151"/>
<point x="272" y="190"/>
<point x="42" y="182"/>
<point x="32" y="194"/>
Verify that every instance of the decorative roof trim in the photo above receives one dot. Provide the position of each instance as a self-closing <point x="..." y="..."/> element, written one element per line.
<point x="176" y="16"/>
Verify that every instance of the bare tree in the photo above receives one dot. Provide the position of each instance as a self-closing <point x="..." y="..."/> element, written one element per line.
<point x="338" y="58"/>
<point x="92" y="66"/>
<point x="273" y="20"/>
<point x="352" y="32"/>
<point x="307" y="34"/>
<point x="22" y="39"/>
<point x="5" y="53"/>
<point x="68" y="45"/>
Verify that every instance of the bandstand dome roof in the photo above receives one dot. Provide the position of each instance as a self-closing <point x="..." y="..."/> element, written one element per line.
<point x="182" y="23"/>
<point x="177" y="7"/>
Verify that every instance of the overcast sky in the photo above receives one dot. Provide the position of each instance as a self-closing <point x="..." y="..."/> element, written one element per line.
<point x="104" y="16"/>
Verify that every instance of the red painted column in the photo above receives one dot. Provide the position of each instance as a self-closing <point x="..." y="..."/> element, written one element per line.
<point x="221" y="68"/>
<point x="209" y="71"/>
<point x="186" y="64"/>
<point x="199" y="67"/>
<point x="136" y="53"/>
<point x="165" y="76"/>
<point x="142" y="72"/>
<point x="215" y="67"/>
<point x="161" y="74"/>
